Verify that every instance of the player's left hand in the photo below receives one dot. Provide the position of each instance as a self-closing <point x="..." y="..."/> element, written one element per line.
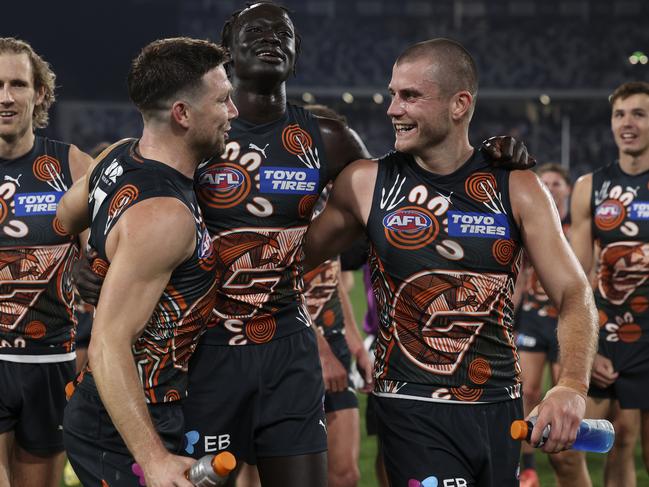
<point x="509" y="153"/>
<point x="562" y="408"/>
<point x="364" y="366"/>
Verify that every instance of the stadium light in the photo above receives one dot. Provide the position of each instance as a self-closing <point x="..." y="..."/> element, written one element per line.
<point x="378" y="98"/>
<point x="545" y="99"/>
<point x="348" y="97"/>
<point x="638" y="57"/>
<point x="308" y="97"/>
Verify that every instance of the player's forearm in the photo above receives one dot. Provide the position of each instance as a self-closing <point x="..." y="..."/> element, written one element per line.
<point x="577" y="335"/>
<point x="120" y="389"/>
<point x="352" y="335"/>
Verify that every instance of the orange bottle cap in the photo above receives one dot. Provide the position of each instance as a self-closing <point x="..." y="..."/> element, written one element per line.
<point x="519" y="429"/>
<point x="224" y="463"/>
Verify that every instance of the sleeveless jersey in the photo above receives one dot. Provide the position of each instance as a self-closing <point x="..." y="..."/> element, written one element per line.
<point x="36" y="298"/>
<point x="445" y="255"/>
<point x="122" y="179"/>
<point x="257" y="198"/>
<point x="536" y="305"/>
<point x="620" y="208"/>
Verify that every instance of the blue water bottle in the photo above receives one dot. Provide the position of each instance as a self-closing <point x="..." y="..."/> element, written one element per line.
<point x="594" y="435"/>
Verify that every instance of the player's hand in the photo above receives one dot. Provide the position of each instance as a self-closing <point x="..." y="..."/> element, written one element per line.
<point x="563" y="408"/>
<point x="603" y="374"/>
<point x="168" y="472"/>
<point x="509" y="153"/>
<point x="365" y="368"/>
<point x="333" y="372"/>
<point x="87" y="282"/>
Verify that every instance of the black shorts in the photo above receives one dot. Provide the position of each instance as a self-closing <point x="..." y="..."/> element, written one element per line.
<point x="256" y="400"/>
<point x="538" y="334"/>
<point x="32" y="399"/>
<point x="96" y="449"/>
<point x="631" y="361"/>
<point x="429" y="443"/>
<point x="336" y="401"/>
<point x="371" y="423"/>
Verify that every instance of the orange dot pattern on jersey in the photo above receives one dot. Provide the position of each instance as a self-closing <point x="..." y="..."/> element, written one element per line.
<point x="58" y="227"/>
<point x="481" y="187"/>
<point x="603" y="319"/>
<point x="639" y="304"/>
<point x="46" y="168"/>
<point x="305" y="206"/>
<point x="479" y="371"/>
<point x="4" y="211"/>
<point x="415" y="239"/>
<point x="261" y="329"/>
<point x="328" y="317"/>
<point x="100" y="267"/>
<point x="123" y="197"/>
<point x="36" y="329"/>
<point x="503" y="251"/>
<point x="629" y="332"/>
<point x="464" y="393"/>
<point x="296" y="140"/>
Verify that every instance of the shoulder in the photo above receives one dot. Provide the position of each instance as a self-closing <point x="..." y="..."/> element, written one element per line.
<point x="79" y="162"/>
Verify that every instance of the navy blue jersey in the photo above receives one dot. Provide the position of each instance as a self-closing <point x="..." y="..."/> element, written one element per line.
<point x="36" y="299"/>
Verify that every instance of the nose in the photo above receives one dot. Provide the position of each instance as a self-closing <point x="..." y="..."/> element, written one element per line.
<point x="396" y="108"/>
<point x="270" y="36"/>
<point x="6" y="98"/>
<point x="233" y="112"/>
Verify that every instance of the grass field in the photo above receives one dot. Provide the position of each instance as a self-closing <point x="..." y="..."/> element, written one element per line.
<point x="368" y="444"/>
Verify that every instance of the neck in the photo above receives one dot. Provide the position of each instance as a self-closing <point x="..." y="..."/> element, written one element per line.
<point x="257" y="105"/>
<point x="446" y="157"/>
<point x="168" y="148"/>
<point x="634" y="164"/>
<point x="15" y="147"/>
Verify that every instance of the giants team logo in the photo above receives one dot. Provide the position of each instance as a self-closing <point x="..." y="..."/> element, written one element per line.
<point x="223" y="185"/>
<point x="438" y="314"/>
<point x="410" y="228"/>
<point x="609" y="215"/>
<point x="624" y="267"/>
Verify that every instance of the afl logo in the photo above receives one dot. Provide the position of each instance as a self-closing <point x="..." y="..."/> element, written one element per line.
<point x="410" y="228"/>
<point x="223" y="185"/>
<point x="609" y="215"/>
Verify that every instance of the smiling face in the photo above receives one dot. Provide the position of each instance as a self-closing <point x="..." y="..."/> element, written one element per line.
<point x="263" y="43"/>
<point x="630" y="124"/>
<point x="18" y="96"/>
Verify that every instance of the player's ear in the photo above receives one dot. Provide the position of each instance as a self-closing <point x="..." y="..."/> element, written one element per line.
<point x="180" y="113"/>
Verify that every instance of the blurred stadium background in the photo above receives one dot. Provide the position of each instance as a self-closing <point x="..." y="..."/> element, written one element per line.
<point x="546" y="67"/>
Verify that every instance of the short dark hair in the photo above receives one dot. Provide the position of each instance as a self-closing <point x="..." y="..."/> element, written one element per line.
<point x="227" y="32"/>
<point x="459" y="69"/>
<point x="628" y="89"/>
<point x="168" y="66"/>
<point x="554" y="167"/>
<point x="44" y="77"/>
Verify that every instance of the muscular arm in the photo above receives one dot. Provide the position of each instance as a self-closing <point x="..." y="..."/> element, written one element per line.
<point x="136" y="278"/>
<point x="342" y="145"/>
<point x="566" y="284"/>
<point x="344" y="218"/>
<point x="581" y="233"/>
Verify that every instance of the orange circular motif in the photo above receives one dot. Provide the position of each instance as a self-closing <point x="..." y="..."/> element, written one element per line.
<point x="603" y="319"/>
<point x="328" y="317"/>
<point x="172" y="395"/>
<point x="122" y="198"/>
<point x="46" y="168"/>
<point x="4" y="211"/>
<point x="481" y="186"/>
<point x="99" y="267"/>
<point x="261" y="329"/>
<point x="223" y="185"/>
<point x="503" y="251"/>
<point x="410" y="227"/>
<point x="609" y="214"/>
<point x="58" y="227"/>
<point x="629" y="332"/>
<point x="306" y="204"/>
<point x="639" y="304"/>
<point x="36" y="329"/>
<point x="479" y="371"/>
<point x="296" y="140"/>
<point x="465" y="393"/>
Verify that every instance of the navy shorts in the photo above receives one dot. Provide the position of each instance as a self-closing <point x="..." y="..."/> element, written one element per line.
<point x="96" y="449"/>
<point x="538" y="334"/>
<point x="256" y="400"/>
<point x="463" y="445"/>
<point x="32" y="400"/>
<point x="336" y="401"/>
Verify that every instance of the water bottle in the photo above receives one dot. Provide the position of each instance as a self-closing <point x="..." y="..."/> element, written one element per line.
<point x="212" y="470"/>
<point x="594" y="435"/>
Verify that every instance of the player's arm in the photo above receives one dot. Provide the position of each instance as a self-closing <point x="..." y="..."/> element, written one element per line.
<point x="80" y="162"/>
<point x="143" y="249"/>
<point x="344" y="217"/>
<point x="566" y="284"/>
<point x="342" y="145"/>
<point x="334" y="374"/>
